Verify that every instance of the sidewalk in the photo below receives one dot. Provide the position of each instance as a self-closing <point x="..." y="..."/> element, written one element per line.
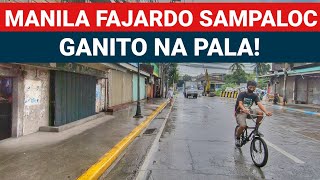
<point x="309" y="109"/>
<point x="67" y="154"/>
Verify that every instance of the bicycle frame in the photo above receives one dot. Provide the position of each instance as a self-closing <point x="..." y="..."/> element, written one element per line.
<point x="255" y="131"/>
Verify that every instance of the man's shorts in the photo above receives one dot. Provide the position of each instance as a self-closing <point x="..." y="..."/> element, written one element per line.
<point x="242" y="117"/>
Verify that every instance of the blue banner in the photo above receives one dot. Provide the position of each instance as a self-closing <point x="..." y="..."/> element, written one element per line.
<point x="180" y="47"/>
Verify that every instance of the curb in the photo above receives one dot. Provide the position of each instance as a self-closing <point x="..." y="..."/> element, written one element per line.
<point x="74" y="124"/>
<point x="296" y="110"/>
<point x="96" y="170"/>
<point x="143" y="174"/>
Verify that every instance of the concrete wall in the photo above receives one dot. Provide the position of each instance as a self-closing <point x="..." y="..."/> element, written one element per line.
<point x="101" y="95"/>
<point x="120" y="90"/>
<point x="36" y="100"/>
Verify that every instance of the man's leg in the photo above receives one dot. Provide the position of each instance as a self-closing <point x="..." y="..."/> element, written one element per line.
<point x="241" y="119"/>
<point x="259" y="116"/>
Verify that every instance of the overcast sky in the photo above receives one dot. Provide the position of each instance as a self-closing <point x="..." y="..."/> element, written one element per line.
<point x="194" y="69"/>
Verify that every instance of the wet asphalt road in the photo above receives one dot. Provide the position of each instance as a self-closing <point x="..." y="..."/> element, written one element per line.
<point x="198" y="143"/>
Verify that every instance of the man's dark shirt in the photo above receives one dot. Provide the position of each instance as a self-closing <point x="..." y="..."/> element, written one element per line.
<point x="247" y="100"/>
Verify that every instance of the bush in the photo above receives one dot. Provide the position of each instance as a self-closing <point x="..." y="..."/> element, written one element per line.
<point x="231" y="85"/>
<point x="218" y="92"/>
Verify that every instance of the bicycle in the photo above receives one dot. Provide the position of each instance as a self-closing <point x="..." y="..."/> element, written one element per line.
<point x="258" y="145"/>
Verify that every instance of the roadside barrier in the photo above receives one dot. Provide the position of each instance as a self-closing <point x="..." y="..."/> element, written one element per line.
<point x="229" y="94"/>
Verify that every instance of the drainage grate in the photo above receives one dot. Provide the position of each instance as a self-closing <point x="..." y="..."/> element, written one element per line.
<point x="149" y="131"/>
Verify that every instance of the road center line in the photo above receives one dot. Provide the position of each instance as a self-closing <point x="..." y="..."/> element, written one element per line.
<point x="295" y="159"/>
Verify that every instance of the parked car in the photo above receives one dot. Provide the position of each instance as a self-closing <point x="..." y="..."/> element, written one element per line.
<point x="191" y="91"/>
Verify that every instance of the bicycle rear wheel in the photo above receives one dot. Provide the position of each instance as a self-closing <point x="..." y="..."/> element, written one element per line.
<point x="259" y="152"/>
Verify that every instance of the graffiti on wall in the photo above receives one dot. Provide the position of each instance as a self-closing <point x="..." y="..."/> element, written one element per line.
<point x="98" y="97"/>
<point x="32" y="92"/>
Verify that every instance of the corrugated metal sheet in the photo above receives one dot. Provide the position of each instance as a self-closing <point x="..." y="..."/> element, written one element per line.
<point x="143" y="93"/>
<point x="290" y="89"/>
<point x="135" y="87"/>
<point x="74" y="97"/>
<point x="120" y="87"/>
<point x="314" y="90"/>
<point x="302" y="89"/>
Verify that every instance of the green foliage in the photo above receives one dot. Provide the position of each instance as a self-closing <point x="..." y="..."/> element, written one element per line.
<point x="232" y="85"/>
<point x="218" y="92"/>
<point x="263" y="83"/>
<point x="251" y="77"/>
<point x="237" y="77"/>
<point x="186" y="78"/>
<point x="173" y="73"/>
<point x="261" y="68"/>
<point x="180" y="83"/>
<point x="236" y="67"/>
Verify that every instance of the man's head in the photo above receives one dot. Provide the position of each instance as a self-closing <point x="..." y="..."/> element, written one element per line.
<point x="251" y="86"/>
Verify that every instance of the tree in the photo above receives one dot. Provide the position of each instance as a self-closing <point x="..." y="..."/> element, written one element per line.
<point x="186" y="78"/>
<point x="236" y="67"/>
<point x="261" y="68"/>
<point x="262" y="82"/>
<point x="237" y="77"/>
<point x="173" y="73"/>
<point x="169" y="73"/>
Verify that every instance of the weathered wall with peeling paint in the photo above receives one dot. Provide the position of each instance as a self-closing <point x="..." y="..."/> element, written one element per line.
<point x="36" y="100"/>
<point x="100" y="95"/>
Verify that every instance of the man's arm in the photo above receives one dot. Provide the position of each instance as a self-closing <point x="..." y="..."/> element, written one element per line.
<point x="261" y="106"/>
<point x="242" y="108"/>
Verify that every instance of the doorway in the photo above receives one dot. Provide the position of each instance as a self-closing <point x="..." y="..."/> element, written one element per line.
<point x="5" y="107"/>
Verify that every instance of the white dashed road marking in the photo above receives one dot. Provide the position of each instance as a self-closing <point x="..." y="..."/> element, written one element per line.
<point x="295" y="159"/>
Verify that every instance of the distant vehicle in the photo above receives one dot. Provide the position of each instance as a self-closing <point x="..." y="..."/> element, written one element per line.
<point x="200" y="91"/>
<point x="191" y="89"/>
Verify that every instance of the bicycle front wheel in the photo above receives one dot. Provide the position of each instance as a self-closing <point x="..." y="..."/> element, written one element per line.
<point x="259" y="152"/>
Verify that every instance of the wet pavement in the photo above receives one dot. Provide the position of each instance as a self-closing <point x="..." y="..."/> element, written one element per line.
<point x="66" y="155"/>
<point x="198" y="143"/>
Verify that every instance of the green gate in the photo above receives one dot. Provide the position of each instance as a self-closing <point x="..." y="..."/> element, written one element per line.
<point x="72" y="97"/>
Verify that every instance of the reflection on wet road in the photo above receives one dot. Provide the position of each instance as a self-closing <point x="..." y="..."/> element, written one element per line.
<point x="198" y="143"/>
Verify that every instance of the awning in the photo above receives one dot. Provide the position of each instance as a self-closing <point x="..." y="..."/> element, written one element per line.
<point x="311" y="70"/>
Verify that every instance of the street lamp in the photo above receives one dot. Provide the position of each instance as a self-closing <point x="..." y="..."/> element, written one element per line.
<point x="138" y="112"/>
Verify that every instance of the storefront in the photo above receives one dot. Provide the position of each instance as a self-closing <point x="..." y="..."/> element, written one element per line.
<point x="5" y="107"/>
<point x="135" y="87"/>
<point x="73" y="93"/>
<point x="120" y="87"/>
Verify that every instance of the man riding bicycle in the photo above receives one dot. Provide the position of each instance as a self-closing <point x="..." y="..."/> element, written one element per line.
<point x="243" y="108"/>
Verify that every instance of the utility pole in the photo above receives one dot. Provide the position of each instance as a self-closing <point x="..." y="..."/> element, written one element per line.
<point x="138" y="112"/>
<point x="285" y="83"/>
<point x="256" y="73"/>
